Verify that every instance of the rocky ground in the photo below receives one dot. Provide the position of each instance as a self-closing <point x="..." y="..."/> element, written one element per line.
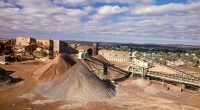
<point x="132" y="94"/>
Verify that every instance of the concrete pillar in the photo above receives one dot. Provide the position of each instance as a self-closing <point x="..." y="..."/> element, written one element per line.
<point x="143" y="73"/>
<point x="182" y="87"/>
<point x="163" y="82"/>
<point x="168" y="87"/>
<point x="132" y="71"/>
<point x="105" y="69"/>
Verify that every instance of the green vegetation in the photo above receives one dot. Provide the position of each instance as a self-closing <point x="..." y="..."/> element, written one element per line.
<point x="161" y="54"/>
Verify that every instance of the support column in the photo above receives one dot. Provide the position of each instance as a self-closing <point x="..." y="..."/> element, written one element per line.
<point x="143" y="73"/>
<point x="182" y="87"/>
<point x="168" y="87"/>
<point x="105" y="69"/>
<point x="163" y="82"/>
<point x="132" y="71"/>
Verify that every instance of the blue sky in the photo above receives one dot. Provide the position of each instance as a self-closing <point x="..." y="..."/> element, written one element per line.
<point x="136" y="21"/>
<point x="162" y="2"/>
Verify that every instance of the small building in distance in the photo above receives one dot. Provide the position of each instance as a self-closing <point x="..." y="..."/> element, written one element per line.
<point x="45" y="45"/>
<point x="6" y="45"/>
<point x="25" y="44"/>
<point x="7" y="42"/>
<point x="86" y="50"/>
<point x="44" y="48"/>
<point x="25" y="41"/>
<point x="48" y="43"/>
<point x="82" y="51"/>
<point x="62" y="47"/>
<point x="117" y="56"/>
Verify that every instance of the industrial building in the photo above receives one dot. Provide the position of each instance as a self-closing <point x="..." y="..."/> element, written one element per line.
<point x="6" y="45"/>
<point x="82" y="51"/>
<point x="24" y="41"/>
<point x="47" y="43"/>
<point x="117" y="56"/>
<point x="62" y="47"/>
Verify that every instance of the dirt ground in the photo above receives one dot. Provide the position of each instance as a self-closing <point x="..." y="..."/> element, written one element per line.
<point x="132" y="94"/>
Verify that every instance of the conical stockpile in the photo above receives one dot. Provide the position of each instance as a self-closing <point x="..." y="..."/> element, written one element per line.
<point x="78" y="83"/>
<point x="55" y="67"/>
<point x="4" y="75"/>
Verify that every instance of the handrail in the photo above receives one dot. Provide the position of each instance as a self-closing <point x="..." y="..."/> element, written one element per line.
<point x="176" y="77"/>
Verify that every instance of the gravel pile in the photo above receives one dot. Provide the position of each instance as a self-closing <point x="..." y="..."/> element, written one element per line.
<point x="77" y="83"/>
<point x="55" y="67"/>
<point x="4" y="76"/>
<point x="6" y="80"/>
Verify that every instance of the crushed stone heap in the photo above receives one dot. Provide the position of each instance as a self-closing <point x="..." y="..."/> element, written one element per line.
<point x="78" y="83"/>
<point x="4" y="76"/>
<point x="55" y="67"/>
<point x="6" y="80"/>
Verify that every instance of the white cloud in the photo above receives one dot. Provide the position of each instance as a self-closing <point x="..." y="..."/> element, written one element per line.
<point x="192" y="1"/>
<point x="106" y="11"/>
<point x="86" y="2"/>
<point x="77" y="12"/>
<point x="70" y="2"/>
<point x="111" y="10"/>
<point x="89" y="9"/>
<point x="47" y="17"/>
<point x="5" y="5"/>
<point x="168" y="8"/>
<point x="130" y="1"/>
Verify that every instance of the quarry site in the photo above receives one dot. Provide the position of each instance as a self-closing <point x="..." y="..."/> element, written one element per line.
<point x="39" y="76"/>
<point x="99" y="54"/>
<point x="66" y="83"/>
